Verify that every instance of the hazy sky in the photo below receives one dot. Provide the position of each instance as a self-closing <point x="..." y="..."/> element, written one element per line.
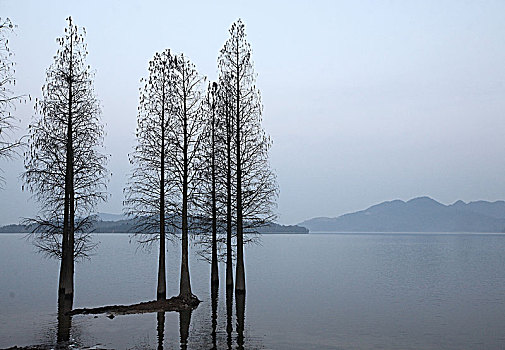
<point x="366" y="101"/>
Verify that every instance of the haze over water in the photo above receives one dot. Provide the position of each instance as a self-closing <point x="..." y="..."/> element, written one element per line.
<point x="366" y="101"/>
<point x="391" y="291"/>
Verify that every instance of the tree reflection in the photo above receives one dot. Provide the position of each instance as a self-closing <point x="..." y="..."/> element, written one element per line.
<point x="184" y="321"/>
<point x="214" y="294"/>
<point x="229" y="315"/>
<point x="240" y="304"/>
<point x="161" y="329"/>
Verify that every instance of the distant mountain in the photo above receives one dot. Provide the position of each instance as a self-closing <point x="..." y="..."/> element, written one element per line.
<point x="119" y="226"/>
<point x="421" y="214"/>
<point x="111" y="217"/>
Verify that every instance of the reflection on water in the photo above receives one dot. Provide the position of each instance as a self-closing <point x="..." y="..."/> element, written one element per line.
<point x="214" y="295"/>
<point x="229" y="316"/>
<point x="184" y="321"/>
<point x="396" y="292"/>
<point x="161" y="329"/>
<point x="211" y="332"/>
<point x="206" y="333"/>
<point x="240" y="300"/>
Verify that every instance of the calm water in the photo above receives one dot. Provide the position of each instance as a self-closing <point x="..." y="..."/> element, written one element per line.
<point x="303" y="292"/>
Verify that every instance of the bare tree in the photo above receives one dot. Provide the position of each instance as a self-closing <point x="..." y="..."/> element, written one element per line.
<point x="8" y="146"/>
<point x="210" y="239"/>
<point x="185" y="136"/>
<point x="226" y="169"/>
<point x="63" y="167"/>
<point x="213" y="150"/>
<point x="148" y="189"/>
<point x="256" y="188"/>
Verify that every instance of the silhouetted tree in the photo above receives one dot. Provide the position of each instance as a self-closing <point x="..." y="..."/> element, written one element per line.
<point x="149" y="190"/>
<point x="256" y="188"/>
<point x="210" y="215"/>
<point x="213" y="180"/>
<point x="227" y="167"/>
<point x="8" y="146"/>
<point x="217" y="174"/>
<point x="185" y="136"/>
<point x="63" y="167"/>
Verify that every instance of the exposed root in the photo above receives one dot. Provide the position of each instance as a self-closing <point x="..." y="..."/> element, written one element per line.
<point x="173" y="304"/>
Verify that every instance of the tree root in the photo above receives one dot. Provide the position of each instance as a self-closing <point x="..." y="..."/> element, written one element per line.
<point x="173" y="304"/>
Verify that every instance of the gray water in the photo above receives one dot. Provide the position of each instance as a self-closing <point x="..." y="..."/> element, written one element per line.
<point x="317" y="291"/>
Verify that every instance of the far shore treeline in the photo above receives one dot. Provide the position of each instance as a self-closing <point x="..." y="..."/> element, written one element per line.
<point x="126" y="225"/>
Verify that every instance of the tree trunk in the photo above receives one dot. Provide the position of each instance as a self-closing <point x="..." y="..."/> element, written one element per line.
<point x="229" y="251"/>
<point x="240" y="278"/>
<point x="64" y="319"/>
<point x="63" y="264"/>
<point x="162" y="284"/>
<point x="214" y="275"/>
<point x="69" y="278"/>
<point x="67" y="256"/>
<point x="161" y="292"/>
<point x="185" y="283"/>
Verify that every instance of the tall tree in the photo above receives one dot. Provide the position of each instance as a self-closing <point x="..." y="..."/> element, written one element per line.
<point x="64" y="168"/>
<point x="211" y="102"/>
<point x="226" y="167"/>
<point x="185" y="136"/>
<point x="256" y="189"/>
<point x="210" y="215"/>
<point x="8" y="146"/>
<point x="149" y="191"/>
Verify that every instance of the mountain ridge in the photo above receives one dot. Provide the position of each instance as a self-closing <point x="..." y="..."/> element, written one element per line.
<point x="420" y="214"/>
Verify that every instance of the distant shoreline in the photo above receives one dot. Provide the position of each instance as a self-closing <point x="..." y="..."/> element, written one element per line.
<point x="382" y="233"/>
<point x="126" y="226"/>
<point x="326" y="233"/>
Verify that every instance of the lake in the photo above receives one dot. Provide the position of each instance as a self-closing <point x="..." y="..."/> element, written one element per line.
<point x="316" y="291"/>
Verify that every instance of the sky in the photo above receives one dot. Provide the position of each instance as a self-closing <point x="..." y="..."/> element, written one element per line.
<point x="366" y="101"/>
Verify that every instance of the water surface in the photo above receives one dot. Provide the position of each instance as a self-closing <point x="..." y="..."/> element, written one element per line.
<point x="317" y="291"/>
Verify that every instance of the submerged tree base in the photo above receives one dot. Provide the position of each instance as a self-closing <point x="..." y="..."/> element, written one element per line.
<point x="173" y="304"/>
